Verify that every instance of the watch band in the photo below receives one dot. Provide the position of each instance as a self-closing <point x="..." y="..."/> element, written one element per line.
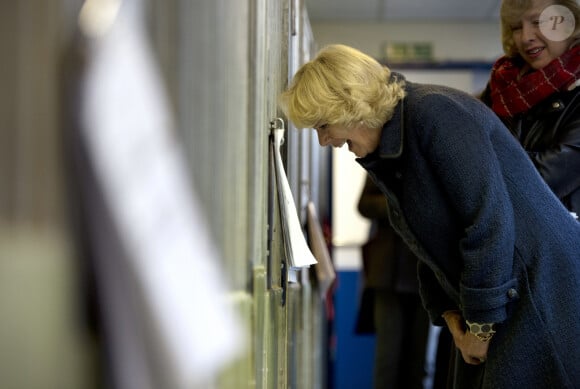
<point x="483" y="331"/>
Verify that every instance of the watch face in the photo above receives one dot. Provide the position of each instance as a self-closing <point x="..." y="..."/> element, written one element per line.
<point x="486" y="328"/>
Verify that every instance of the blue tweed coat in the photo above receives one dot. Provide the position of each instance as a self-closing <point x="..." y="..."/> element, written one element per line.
<point x="492" y="239"/>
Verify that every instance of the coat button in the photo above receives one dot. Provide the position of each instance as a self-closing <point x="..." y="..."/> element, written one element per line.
<point x="556" y="104"/>
<point x="512" y="293"/>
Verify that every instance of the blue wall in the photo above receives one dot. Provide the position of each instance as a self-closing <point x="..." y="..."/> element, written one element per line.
<point x="353" y="365"/>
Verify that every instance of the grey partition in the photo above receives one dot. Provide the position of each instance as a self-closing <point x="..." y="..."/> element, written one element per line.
<point x="230" y="61"/>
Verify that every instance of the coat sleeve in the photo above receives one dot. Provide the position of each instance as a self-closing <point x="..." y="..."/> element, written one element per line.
<point x="460" y="147"/>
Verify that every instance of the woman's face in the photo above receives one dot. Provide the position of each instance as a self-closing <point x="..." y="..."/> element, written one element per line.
<point x="360" y="139"/>
<point x="532" y="45"/>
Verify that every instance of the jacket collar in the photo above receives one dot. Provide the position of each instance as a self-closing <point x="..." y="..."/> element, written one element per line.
<point x="392" y="136"/>
<point x="391" y="145"/>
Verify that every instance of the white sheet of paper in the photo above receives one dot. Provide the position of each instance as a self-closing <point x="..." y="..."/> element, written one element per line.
<point x="297" y="250"/>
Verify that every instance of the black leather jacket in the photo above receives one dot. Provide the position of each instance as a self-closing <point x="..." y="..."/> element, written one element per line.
<point x="550" y="133"/>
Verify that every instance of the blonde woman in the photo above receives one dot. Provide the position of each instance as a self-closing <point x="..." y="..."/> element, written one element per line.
<point x="499" y="256"/>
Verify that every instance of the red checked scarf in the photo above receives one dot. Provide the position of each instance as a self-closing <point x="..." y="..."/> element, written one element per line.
<point x="510" y="95"/>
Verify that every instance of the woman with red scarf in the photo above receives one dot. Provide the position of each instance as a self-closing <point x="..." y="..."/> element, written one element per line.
<point x="535" y="88"/>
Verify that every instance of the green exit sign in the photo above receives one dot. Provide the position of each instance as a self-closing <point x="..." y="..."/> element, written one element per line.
<point x="408" y="51"/>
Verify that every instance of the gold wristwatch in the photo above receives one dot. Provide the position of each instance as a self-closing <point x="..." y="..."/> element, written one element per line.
<point x="483" y="331"/>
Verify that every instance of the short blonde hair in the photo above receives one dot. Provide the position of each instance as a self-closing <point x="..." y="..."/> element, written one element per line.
<point x="341" y="85"/>
<point x="511" y="12"/>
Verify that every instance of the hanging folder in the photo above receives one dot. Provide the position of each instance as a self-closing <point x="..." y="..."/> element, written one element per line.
<point x="324" y="269"/>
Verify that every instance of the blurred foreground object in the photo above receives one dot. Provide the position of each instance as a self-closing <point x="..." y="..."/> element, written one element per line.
<point x="166" y="319"/>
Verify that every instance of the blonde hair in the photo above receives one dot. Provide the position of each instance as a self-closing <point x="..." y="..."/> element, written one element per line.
<point x="511" y="12"/>
<point x="341" y="85"/>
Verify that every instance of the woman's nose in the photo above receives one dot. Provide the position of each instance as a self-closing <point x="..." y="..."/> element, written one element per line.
<point x="528" y="32"/>
<point x="323" y="138"/>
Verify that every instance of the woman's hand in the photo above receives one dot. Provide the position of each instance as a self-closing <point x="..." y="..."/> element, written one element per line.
<point x="473" y="350"/>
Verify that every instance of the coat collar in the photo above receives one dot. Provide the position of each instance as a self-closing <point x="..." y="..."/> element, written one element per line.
<point x="392" y="135"/>
<point x="391" y="145"/>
